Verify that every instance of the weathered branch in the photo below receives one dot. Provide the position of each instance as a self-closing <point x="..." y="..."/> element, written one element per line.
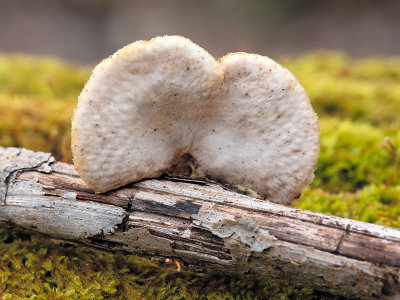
<point x="203" y="225"/>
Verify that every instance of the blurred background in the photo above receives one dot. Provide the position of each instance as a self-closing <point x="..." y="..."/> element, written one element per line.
<point x="87" y="31"/>
<point x="346" y="54"/>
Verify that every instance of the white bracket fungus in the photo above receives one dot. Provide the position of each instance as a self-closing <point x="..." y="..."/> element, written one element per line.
<point x="166" y="106"/>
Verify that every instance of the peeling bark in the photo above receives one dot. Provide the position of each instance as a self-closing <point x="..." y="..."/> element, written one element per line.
<point x="205" y="226"/>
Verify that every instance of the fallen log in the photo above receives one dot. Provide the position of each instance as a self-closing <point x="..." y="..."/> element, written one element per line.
<point x="203" y="225"/>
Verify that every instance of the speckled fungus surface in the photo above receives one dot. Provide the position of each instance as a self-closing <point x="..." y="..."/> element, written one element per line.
<point x="166" y="106"/>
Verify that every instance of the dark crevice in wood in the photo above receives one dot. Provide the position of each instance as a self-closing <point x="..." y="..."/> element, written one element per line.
<point x="204" y="250"/>
<point x="204" y="235"/>
<point x="105" y="244"/>
<point x="182" y="209"/>
<point x="124" y="225"/>
<point x="346" y="232"/>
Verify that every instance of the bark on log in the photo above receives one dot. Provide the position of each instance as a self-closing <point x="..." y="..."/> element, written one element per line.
<point x="203" y="225"/>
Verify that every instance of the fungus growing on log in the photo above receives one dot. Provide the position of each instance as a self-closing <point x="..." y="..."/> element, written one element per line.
<point x="167" y="107"/>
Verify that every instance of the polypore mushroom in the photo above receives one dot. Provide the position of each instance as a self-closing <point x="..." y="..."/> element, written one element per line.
<point x="167" y="106"/>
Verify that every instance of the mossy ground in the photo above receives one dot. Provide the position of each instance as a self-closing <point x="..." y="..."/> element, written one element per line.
<point x="358" y="102"/>
<point x="34" y="267"/>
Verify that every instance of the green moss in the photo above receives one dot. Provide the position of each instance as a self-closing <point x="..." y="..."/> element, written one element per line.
<point x="354" y="155"/>
<point x="40" y="77"/>
<point x="34" y="267"/>
<point x="37" y="123"/>
<point x="366" y="90"/>
<point x="377" y="204"/>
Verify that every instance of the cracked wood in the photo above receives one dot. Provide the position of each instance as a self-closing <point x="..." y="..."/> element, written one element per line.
<point x="205" y="226"/>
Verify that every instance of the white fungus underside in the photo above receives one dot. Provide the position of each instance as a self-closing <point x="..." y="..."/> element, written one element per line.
<point x="245" y="120"/>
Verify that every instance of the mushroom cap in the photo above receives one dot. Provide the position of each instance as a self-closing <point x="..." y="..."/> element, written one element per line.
<point x="167" y="106"/>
